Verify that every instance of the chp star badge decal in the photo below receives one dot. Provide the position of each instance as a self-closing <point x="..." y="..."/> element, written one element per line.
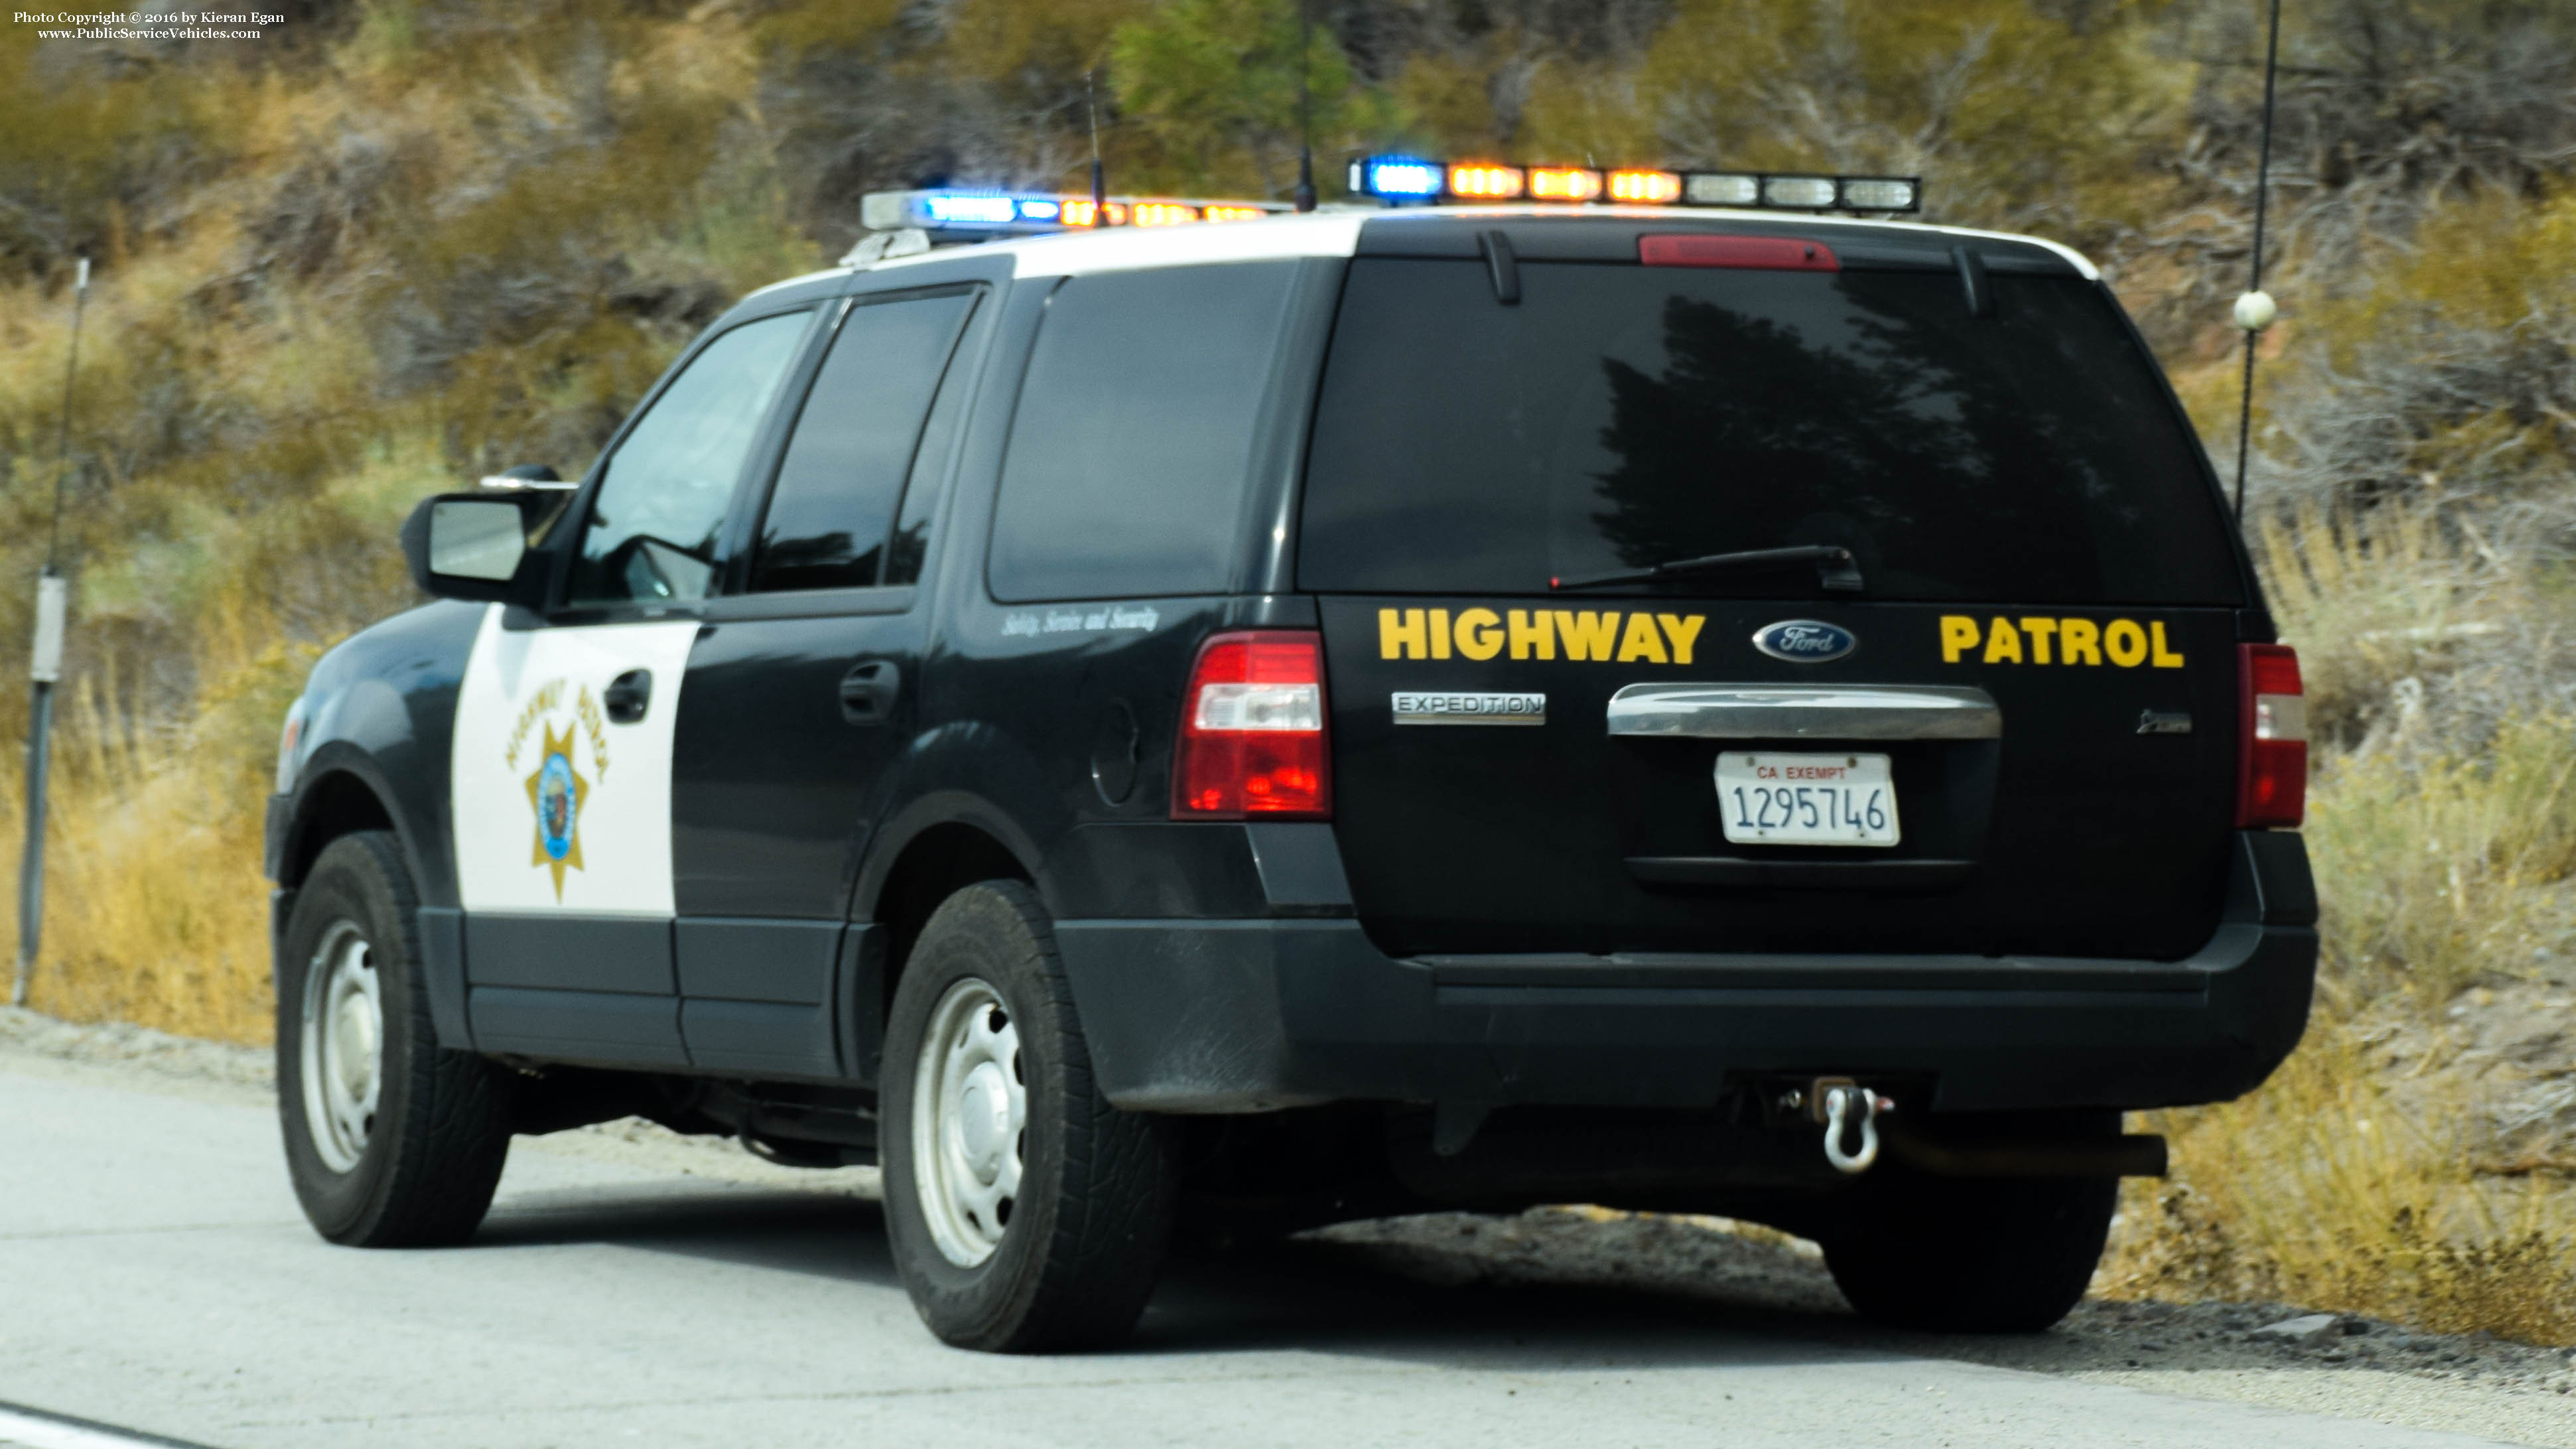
<point x="557" y="792"/>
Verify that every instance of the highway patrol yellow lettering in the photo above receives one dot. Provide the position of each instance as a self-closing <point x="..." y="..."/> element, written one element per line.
<point x="1587" y="635"/>
<point x="2039" y="631"/>
<point x="2125" y="642"/>
<point x="1641" y="641"/>
<point x="1532" y="635"/>
<point x="1480" y="634"/>
<point x="2056" y="641"/>
<point x="1683" y="630"/>
<point x="1959" y="634"/>
<point x="1597" y="636"/>
<point x="1399" y="634"/>
<point x="2158" y="655"/>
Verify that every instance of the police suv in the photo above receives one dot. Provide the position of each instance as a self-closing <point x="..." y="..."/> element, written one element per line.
<point x="1652" y="689"/>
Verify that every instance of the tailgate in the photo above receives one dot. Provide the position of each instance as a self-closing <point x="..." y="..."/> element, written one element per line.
<point x="1546" y="521"/>
<point x="1485" y="804"/>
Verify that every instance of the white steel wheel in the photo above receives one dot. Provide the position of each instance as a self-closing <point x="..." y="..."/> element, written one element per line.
<point x="970" y="1116"/>
<point x="342" y="1042"/>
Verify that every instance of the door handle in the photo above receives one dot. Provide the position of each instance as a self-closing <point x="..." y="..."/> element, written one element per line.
<point x="868" y="691"/>
<point x="628" y="696"/>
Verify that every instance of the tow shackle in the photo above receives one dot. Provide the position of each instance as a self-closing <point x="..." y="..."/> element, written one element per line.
<point x="1850" y="1113"/>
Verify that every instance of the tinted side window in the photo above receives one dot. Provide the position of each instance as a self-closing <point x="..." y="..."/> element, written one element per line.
<point x="663" y="497"/>
<point x="854" y="442"/>
<point x="1129" y="452"/>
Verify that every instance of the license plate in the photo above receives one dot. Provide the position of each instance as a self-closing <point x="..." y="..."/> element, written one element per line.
<point x="1768" y="799"/>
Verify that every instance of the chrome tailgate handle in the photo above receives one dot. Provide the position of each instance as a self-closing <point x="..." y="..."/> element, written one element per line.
<point x="1789" y="711"/>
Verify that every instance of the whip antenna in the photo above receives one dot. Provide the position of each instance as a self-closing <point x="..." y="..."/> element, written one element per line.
<point x="2255" y="309"/>
<point x="1099" y="175"/>
<point x="1305" y="108"/>
<point x="45" y="669"/>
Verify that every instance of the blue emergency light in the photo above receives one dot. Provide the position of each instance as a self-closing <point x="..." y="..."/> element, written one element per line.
<point x="1398" y="179"/>
<point x="963" y="214"/>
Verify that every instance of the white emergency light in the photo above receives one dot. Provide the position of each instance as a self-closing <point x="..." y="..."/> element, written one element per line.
<point x="1401" y="179"/>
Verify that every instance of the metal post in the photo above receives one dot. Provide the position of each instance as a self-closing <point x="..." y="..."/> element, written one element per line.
<point x="45" y="669"/>
<point x="1305" y="195"/>
<point x="2254" y="282"/>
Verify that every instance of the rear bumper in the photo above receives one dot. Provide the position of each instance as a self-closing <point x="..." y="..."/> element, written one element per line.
<point x="1256" y="1015"/>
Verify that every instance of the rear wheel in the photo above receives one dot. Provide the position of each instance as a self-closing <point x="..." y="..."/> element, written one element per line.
<point x="1026" y="1213"/>
<point x="1973" y="1255"/>
<point x="391" y="1140"/>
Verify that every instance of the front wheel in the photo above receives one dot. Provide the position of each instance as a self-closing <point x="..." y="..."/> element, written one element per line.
<point x="1026" y="1213"/>
<point x="391" y="1140"/>
<point x="1973" y="1255"/>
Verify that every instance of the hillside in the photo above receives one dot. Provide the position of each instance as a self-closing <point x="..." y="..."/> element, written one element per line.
<point x="396" y="244"/>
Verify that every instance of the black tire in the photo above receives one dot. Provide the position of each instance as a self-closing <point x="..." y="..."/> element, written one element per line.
<point x="1973" y="1255"/>
<point x="1085" y="1235"/>
<point x="433" y="1148"/>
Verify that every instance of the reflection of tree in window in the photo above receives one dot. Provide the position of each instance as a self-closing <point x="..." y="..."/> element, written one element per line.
<point x="652" y="529"/>
<point x="855" y="440"/>
<point x="1902" y="436"/>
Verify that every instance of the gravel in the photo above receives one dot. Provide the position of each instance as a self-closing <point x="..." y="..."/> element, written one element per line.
<point x="2274" y="1353"/>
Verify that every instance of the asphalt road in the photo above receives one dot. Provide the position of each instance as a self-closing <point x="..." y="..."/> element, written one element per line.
<point x="156" y="1276"/>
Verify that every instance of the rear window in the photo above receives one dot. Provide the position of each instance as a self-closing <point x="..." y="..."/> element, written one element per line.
<point x="1624" y="416"/>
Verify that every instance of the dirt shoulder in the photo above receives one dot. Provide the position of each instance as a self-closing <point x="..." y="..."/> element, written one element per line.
<point x="2349" y="1366"/>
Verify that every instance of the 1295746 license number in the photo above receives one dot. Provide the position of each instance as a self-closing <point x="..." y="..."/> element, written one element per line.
<point x="1768" y="799"/>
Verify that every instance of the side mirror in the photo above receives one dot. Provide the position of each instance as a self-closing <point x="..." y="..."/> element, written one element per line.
<point x="475" y="546"/>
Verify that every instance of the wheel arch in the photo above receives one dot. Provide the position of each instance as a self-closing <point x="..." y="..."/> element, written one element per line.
<point x="932" y="849"/>
<point x="337" y="799"/>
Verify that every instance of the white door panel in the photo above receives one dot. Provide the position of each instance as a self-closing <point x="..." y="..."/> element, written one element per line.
<point x="553" y="807"/>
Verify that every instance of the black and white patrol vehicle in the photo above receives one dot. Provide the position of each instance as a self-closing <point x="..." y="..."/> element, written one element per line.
<point x="1588" y="697"/>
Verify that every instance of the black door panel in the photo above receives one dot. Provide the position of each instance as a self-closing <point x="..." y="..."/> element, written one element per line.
<point x="770" y="776"/>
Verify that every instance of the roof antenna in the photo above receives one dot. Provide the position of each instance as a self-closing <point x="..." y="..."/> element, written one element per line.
<point x="2256" y="309"/>
<point x="1305" y="108"/>
<point x="1099" y="176"/>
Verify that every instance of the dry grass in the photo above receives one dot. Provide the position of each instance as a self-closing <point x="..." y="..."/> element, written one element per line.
<point x="2443" y="835"/>
<point x="2323" y="1189"/>
<point x="156" y="912"/>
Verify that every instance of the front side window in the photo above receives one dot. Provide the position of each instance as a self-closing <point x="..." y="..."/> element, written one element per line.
<point x="651" y="535"/>
<point x="854" y="443"/>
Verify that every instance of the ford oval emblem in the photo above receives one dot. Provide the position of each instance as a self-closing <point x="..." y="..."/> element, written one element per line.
<point x="1805" y="641"/>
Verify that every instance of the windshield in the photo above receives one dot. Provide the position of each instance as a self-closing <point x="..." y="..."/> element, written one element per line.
<point x="1623" y="416"/>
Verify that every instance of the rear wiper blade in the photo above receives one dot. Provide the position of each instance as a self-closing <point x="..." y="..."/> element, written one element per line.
<point x="1835" y="567"/>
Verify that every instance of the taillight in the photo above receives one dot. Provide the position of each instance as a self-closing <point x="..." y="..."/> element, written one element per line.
<point x="1252" y="736"/>
<point x="2272" y="754"/>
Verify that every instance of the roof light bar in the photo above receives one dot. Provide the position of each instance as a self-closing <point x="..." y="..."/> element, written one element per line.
<point x="965" y="214"/>
<point x="1402" y="179"/>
